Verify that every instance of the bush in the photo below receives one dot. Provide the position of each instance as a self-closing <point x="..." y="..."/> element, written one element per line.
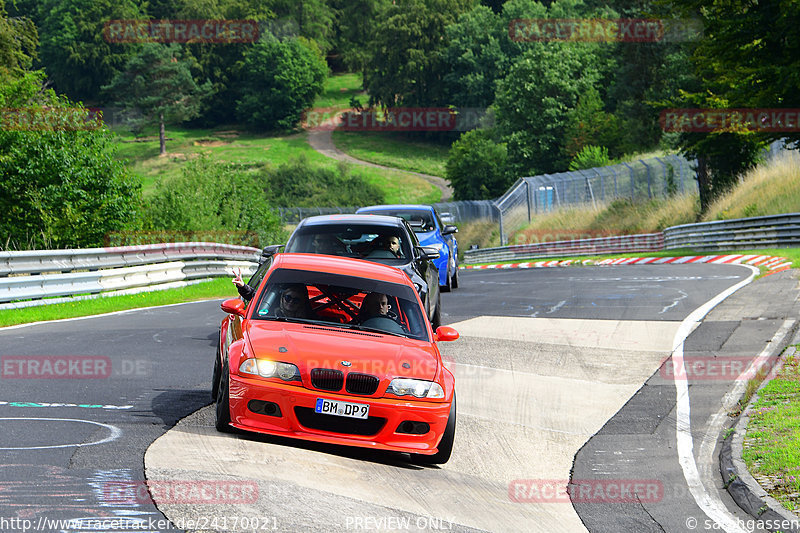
<point x="590" y="157"/>
<point x="215" y="197"/>
<point x="61" y="186"/>
<point x="299" y="184"/>
<point x="476" y="167"/>
<point x="280" y="80"/>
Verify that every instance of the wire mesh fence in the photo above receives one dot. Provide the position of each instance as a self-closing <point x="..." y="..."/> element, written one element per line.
<point x="644" y="178"/>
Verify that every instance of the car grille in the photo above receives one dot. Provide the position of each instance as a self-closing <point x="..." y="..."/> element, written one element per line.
<point x="327" y="379"/>
<point x="361" y="383"/>
<point x="337" y="424"/>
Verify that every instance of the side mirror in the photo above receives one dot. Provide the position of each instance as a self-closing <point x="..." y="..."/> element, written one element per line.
<point x="446" y="334"/>
<point x="429" y="252"/>
<point x="234" y="306"/>
<point x="448" y="230"/>
<point x="269" y="251"/>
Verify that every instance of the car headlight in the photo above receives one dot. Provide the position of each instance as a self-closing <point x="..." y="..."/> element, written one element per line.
<point x="418" y="388"/>
<point x="270" y="369"/>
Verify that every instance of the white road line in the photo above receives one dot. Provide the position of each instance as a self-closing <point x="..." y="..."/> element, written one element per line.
<point x="713" y="508"/>
<point x="115" y="433"/>
<point x="717" y="420"/>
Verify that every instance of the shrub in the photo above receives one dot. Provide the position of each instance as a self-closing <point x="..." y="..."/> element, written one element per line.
<point x="476" y="167"/>
<point x="280" y="80"/>
<point x="211" y="196"/>
<point x="590" y="157"/>
<point x="60" y="186"/>
<point x="298" y="183"/>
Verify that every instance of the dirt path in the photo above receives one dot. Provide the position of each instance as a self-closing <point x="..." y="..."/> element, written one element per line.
<point x="321" y="140"/>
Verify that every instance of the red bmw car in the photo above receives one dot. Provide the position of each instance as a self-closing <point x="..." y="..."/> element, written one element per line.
<point x="336" y="350"/>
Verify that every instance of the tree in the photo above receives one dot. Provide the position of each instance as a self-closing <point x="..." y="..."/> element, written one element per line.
<point x="406" y="66"/>
<point x="474" y="57"/>
<point x="18" y="41"/>
<point x="158" y="85"/>
<point x="476" y="167"/>
<point x="588" y="124"/>
<point x="314" y="18"/>
<point x="216" y="62"/>
<point x="279" y="81"/>
<point x="59" y="187"/>
<point x="748" y="57"/>
<point x="74" y="51"/>
<point x="355" y="29"/>
<point x="535" y="100"/>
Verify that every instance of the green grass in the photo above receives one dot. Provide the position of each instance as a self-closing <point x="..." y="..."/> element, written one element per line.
<point x="231" y="145"/>
<point x="395" y="150"/>
<point x="772" y="442"/>
<point x="338" y="91"/>
<point x="218" y="288"/>
<point x="236" y="145"/>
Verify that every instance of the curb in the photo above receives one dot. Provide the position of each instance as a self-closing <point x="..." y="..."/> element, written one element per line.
<point x="773" y="264"/>
<point x="740" y="484"/>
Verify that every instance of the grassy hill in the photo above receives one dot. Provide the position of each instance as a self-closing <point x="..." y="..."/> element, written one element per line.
<point x="769" y="189"/>
<point x="233" y="144"/>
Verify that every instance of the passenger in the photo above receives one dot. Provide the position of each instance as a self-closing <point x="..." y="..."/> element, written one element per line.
<point x="295" y="303"/>
<point x="245" y="291"/>
<point x="327" y="244"/>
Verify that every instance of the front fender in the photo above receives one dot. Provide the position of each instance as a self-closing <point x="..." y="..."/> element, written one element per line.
<point x="235" y="355"/>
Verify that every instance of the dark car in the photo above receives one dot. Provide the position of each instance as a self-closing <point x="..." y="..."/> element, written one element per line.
<point x="382" y="239"/>
<point x="431" y="231"/>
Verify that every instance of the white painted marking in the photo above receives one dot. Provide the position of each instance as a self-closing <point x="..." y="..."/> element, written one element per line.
<point x="47" y="404"/>
<point x="713" y="508"/>
<point x="676" y="302"/>
<point x="717" y="420"/>
<point x="115" y="434"/>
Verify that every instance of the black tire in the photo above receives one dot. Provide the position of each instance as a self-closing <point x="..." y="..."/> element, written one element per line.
<point x="436" y="321"/>
<point x="216" y="375"/>
<point x="445" y="445"/>
<point x="455" y="277"/>
<point x="222" y="417"/>
<point x="449" y="281"/>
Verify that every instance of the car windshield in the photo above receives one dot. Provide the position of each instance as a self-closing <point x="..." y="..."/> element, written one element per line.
<point x="347" y="302"/>
<point x="421" y="221"/>
<point x="349" y="240"/>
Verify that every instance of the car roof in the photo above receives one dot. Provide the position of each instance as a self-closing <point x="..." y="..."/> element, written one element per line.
<point x="346" y="266"/>
<point x="398" y="207"/>
<point x="379" y="220"/>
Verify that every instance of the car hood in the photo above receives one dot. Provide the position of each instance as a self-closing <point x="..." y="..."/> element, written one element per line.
<point x="318" y="346"/>
<point x="428" y="238"/>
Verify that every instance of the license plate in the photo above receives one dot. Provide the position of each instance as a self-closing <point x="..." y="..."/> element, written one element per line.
<point x="334" y="407"/>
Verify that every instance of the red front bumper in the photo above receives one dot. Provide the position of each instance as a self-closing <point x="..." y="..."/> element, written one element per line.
<point x="296" y="403"/>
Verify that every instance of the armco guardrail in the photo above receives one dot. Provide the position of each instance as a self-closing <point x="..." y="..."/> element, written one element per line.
<point x="30" y="276"/>
<point x="773" y="231"/>
<point x="651" y="242"/>
<point x="39" y="261"/>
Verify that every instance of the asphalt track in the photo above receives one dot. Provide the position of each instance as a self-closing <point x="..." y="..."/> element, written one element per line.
<point x="551" y="363"/>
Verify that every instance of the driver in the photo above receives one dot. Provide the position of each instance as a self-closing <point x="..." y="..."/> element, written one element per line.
<point x="374" y="304"/>
<point x="389" y="243"/>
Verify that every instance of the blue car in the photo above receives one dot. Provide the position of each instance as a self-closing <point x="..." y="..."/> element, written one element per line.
<point x="431" y="231"/>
